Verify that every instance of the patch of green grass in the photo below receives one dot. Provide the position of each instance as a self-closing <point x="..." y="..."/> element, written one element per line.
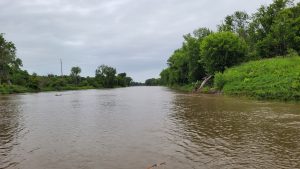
<point x="184" y="88"/>
<point x="206" y="90"/>
<point x="9" y="89"/>
<point x="276" y="78"/>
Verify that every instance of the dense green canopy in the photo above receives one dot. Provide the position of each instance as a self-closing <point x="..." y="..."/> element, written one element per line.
<point x="222" y="50"/>
<point x="9" y="63"/>
<point x="272" y="31"/>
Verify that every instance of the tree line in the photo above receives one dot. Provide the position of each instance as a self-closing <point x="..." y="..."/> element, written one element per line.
<point x="273" y="30"/>
<point x="12" y="74"/>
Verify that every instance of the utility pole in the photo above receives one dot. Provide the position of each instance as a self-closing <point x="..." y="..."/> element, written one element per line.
<point x="61" y="70"/>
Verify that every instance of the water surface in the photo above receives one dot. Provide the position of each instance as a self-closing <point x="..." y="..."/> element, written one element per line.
<point x="134" y="128"/>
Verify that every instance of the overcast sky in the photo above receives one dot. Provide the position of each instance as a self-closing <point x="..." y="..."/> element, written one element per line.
<point x="134" y="36"/>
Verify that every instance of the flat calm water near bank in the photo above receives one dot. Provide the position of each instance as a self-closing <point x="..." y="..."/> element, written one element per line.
<point x="136" y="127"/>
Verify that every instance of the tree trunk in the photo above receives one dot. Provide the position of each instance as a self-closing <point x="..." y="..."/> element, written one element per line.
<point x="206" y="79"/>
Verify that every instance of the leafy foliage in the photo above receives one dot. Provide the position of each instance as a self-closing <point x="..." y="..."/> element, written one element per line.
<point x="237" y="23"/>
<point x="273" y="30"/>
<point x="267" y="29"/>
<point x="222" y="50"/>
<point x="191" y="45"/>
<point x="276" y="78"/>
<point x="106" y="76"/>
<point x="123" y="80"/>
<point x="8" y="60"/>
<point x="184" y="65"/>
<point x="75" y="71"/>
<point x="152" y="82"/>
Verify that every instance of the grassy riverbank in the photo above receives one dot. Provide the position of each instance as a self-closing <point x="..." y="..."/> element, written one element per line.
<point x="11" y="89"/>
<point x="183" y="88"/>
<point x="276" y="78"/>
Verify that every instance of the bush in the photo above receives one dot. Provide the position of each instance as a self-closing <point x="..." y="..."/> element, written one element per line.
<point x="8" y="89"/>
<point x="222" y="50"/>
<point x="219" y="81"/>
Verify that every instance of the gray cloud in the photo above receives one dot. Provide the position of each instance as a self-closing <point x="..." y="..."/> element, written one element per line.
<point x="135" y="36"/>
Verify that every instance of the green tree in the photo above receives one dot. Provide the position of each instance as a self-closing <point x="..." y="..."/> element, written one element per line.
<point x="178" y="64"/>
<point x="129" y="80"/>
<point x="261" y="38"/>
<point x="191" y="46"/>
<point x="75" y="71"/>
<point x="58" y="83"/>
<point x="222" y="50"/>
<point x="152" y="82"/>
<point x="184" y="64"/>
<point x="20" y="77"/>
<point x="283" y="35"/>
<point x="237" y="23"/>
<point x="165" y="76"/>
<point x="106" y="76"/>
<point x="33" y="82"/>
<point x="8" y="60"/>
<point x="123" y="80"/>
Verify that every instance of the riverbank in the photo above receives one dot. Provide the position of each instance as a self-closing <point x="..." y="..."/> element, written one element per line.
<point x="13" y="89"/>
<point x="268" y="79"/>
<point x="183" y="88"/>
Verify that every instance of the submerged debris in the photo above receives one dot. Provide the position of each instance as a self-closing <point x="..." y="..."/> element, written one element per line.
<point x="157" y="165"/>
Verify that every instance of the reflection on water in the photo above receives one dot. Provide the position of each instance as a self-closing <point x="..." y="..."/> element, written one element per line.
<point x="11" y="130"/>
<point x="140" y="126"/>
<point x="231" y="133"/>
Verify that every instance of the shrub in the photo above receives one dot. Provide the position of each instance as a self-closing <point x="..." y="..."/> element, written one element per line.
<point x="222" y="50"/>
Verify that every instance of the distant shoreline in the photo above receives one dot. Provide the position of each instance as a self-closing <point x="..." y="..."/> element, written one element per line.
<point x="15" y="89"/>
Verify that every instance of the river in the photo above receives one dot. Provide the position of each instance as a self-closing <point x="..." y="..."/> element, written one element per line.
<point x="136" y="127"/>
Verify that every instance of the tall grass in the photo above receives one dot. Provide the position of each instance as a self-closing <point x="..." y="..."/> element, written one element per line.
<point x="276" y="78"/>
<point x="9" y="89"/>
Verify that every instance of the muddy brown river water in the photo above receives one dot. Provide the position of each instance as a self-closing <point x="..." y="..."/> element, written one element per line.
<point x="136" y="127"/>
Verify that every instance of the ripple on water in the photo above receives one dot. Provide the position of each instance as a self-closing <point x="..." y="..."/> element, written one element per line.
<point x="137" y="127"/>
<point x="11" y="130"/>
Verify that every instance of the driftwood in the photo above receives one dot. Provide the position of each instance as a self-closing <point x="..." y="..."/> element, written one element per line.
<point x="206" y="79"/>
<point x="157" y="165"/>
